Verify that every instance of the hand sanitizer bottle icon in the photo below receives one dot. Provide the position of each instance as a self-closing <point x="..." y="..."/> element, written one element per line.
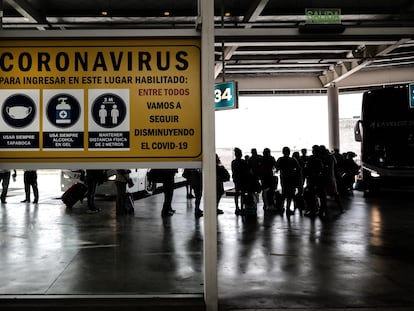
<point x="63" y="111"/>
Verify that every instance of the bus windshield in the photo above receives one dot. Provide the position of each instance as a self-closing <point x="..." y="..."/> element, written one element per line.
<point x="388" y="128"/>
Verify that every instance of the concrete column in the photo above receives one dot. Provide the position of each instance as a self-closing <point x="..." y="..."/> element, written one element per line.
<point x="209" y="155"/>
<point x="333" y="117"/>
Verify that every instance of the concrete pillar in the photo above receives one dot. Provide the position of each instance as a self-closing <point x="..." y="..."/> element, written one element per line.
<point x="209" y="155"/>
<point x="333" y="117"/>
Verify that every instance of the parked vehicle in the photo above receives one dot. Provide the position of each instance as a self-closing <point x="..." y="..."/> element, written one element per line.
<point x="138" y="176"/>
<point x="386" y="133"/>
<point x="108" y="188"/>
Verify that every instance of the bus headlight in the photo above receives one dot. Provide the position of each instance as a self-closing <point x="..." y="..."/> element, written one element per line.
<point x="374" y="174"/>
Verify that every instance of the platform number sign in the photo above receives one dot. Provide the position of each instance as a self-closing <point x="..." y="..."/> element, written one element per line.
<point x="226" y="95"/>
<point x="411" y="90"/>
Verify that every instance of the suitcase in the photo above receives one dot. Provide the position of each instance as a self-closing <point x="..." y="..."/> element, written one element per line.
<point x="311" y="201"/>
<point x="250" y="204"/>
<point x="299" y="202"/>
<point x="75" y="193"/>
<point x="278" y="199"/>
<point x="276" y="205"/>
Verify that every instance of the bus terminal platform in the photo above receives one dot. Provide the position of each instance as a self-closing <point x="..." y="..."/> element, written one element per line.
<point x="68" y="259"/>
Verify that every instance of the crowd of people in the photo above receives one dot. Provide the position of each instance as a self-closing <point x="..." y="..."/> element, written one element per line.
<point x="306" y="180"/>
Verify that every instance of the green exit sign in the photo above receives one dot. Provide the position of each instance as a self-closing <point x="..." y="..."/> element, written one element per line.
<point x="323" y="16"/>
<point x="226" y="95"/>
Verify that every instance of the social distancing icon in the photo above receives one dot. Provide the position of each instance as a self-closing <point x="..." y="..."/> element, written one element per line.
<point x="108" y="110"/>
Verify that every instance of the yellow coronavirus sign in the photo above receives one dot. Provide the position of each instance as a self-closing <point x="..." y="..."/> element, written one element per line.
<point x="100" y="100"/>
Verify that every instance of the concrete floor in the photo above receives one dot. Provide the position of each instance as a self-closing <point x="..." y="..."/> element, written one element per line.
<point x="362" y="259"/>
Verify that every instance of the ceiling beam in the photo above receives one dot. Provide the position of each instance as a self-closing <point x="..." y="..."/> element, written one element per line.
<point x="254" y="11"/>
<point x="344" y="69"/>
<point x="268" y="35"/>
<point x="29" y="12"/>
<point x="251" y="16"/>
<point x="310" y="82"/>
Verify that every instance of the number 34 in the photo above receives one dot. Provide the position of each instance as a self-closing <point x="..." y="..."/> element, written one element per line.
<point x="221" y="95"/>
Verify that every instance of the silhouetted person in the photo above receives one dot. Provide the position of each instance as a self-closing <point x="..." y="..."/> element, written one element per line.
<point x="121" y="182"/>
<point x="339" y="162"/>
<point x="304" y="156"/>
<point x="269" y="181"/>
<point x="93" y="178"/>
<point x="30" y="180"/>
<point x="331" y="186"/>
<point x="196" y="182"/>
<point x="240" y="171"/>
<point x="300" y="179"/>
<point x="349" y="170"/>
<point x="314" y="171"/>
<point x="188" y="188"/>
<point x="339" y="157"/>
<point x="167" y="178"/>
<point x="5" y="180"/>
<point x="222" y="175"/>
<point x="255" y="161"/>
<point x="289" y="171"/>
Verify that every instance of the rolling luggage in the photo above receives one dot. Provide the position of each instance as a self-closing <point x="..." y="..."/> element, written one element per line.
<point x="250" y="204"/>
<point x="276" y="202"/>
<point x="299" y="202"/>
<point x="75" y="193"/>
<point x="311" y="201"/>
<point x="278" y="199"/>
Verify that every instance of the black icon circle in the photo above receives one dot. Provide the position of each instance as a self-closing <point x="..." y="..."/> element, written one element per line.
<point x="63" y="110"/>
<point x="108" y="110"/>
<point x="18" y="110"/>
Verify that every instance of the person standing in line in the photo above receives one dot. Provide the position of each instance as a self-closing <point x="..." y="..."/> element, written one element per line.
<point x="314" y="174"/>
<point x="350" y="169"/>
<point x="300" y="180"/>
<point x="5" y="180"/>
<point x="240" y="170"/>
<point x="222" y="175"/>
<point x="289" y="172"/>
<point x="268" y="180"/>
<point x="255" y="161"/>
<point x="188" y="187"/>
<point x="196" y="183"/>
<point x="121" y="181"/>
<point x="330" y="184"/>
<point x="304" y="156"/>
<point x="30" y="180"/>
<point x="93" y="178"/>
<point x="167" y="177"/>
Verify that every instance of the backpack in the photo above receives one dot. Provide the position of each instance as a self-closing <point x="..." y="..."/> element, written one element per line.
<point x="222" y="174"/>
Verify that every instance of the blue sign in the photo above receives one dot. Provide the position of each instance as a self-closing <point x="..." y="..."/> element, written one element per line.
<point x="226" y="95"/>
<point x="411" y="90"/>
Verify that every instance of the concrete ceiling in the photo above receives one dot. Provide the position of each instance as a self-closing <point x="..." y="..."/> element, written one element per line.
<point x="266" y="45"/>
